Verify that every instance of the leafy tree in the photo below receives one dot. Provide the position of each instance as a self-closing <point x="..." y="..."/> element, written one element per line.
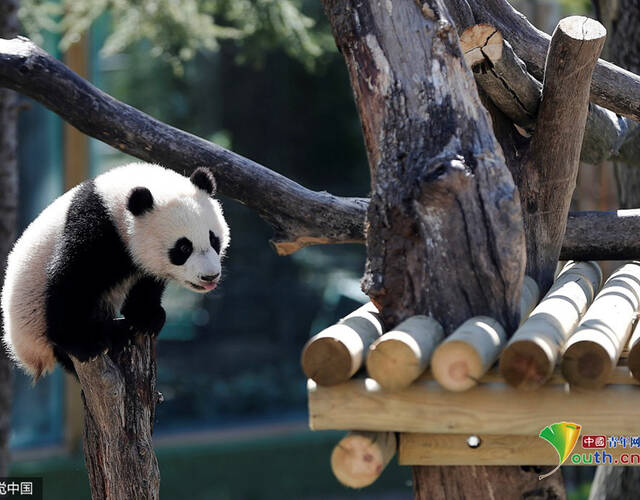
<point x="178" y="29"/>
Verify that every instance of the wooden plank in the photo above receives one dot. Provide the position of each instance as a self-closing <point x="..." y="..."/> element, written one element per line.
<point x="494" y="449"/>
<point x="493" y="408"/>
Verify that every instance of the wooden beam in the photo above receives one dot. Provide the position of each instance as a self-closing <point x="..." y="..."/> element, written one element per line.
<point x="493" y="449"/>
<point x="489" y="408"/>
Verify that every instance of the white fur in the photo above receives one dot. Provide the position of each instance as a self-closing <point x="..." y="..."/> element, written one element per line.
<point x="23" y="294"/>
<point x="180" y="210"/>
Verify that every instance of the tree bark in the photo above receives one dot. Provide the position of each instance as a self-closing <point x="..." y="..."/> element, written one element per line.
<point x="8" y="214"/>
<point x="499" y="483"/>
<point x="119" y="397"/>
<point x="622" y="20"/>
<point x="444" y="228"/>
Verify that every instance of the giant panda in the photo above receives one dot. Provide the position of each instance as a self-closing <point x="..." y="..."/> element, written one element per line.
<point x="105" y="247"/>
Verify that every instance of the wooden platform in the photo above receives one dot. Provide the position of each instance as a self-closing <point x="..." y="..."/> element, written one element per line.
<point x="435" y="424"/>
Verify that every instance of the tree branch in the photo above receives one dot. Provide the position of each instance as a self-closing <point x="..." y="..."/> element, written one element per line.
<point x="503" y="76"/>
<point x="611" y="87"/>
<point x="588" y="236"/>
<point x="299" y="216"/>
<point x="119" y="397"/>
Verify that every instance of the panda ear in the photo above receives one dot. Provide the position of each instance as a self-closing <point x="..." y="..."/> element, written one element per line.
<point x="140" y="201"/>
<point x="203" y="179"/>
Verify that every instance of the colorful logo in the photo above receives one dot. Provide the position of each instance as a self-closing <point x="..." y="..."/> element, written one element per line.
<point x="563" y="436"/>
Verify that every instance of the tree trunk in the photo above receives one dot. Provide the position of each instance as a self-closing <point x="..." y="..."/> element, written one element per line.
<point x="444" y="228"/>
<point x="622" y="20"/>
<point x="8" y="213"/>
<point x="119" y="397"/>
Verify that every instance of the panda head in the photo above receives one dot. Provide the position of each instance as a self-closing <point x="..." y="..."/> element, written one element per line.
<point x="181" y="235"/>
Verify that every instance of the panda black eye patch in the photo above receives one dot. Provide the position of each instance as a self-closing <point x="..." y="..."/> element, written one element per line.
<point x="180" y="252"/>
<point x="215" y="242"/>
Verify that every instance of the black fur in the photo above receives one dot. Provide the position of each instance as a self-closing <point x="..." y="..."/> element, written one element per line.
<point x="180" y="251"/>
<point x="215" y="242"/>
<point x="204" y="180"/>
<point x="89" y="260"/>
<point x="140" y="201"/>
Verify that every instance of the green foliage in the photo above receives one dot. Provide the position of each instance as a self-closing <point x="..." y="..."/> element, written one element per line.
<point x="178" y="29"/>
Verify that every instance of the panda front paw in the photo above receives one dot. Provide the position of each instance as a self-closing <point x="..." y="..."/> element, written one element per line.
<point x="86" y="353"/>
<point x="149" y="320"/>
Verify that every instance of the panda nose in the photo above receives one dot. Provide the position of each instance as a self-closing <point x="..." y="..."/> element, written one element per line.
<point x="210" y="277"/>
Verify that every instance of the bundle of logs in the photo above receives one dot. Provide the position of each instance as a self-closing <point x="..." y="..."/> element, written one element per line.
<point x="477" y="396"/>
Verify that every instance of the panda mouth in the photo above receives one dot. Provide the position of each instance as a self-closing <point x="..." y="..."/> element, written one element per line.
<point x="202" y="288"/>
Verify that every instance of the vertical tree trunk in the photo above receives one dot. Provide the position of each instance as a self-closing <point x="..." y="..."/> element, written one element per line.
<point x="8" y="213"/>
<point x="119" y="396"/>
<point x="444" y="229"/>
<point x="622" y="20"/>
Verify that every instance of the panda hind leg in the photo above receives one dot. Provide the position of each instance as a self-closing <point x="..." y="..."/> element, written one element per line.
<point x="88" y="340"/>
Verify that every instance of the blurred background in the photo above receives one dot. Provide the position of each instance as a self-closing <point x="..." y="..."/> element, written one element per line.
<point x="264" y="79"/>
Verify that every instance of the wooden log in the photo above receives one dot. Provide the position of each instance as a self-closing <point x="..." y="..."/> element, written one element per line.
<point x="466" y="355"/>
<point x="529" y="298"/>
<point x="488" y="408"/>
<point x="528" y="360"/>
<point x="592" y="352"/>
<point x="336" y="353"/>
<point x="552" y="160"/>
<point x="502" y="74"/>
<point x="612" y="87"/>
<point x="401" y="355"/>
<point x="360" y="457"/>
<point x="492" y="449"/>
<point x="504" y="78"/>
<point x="633" y="356"/>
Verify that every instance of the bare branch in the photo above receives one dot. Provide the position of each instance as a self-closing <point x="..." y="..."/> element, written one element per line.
<point x="299" y="216"/>
<point x="611" y="87"/>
